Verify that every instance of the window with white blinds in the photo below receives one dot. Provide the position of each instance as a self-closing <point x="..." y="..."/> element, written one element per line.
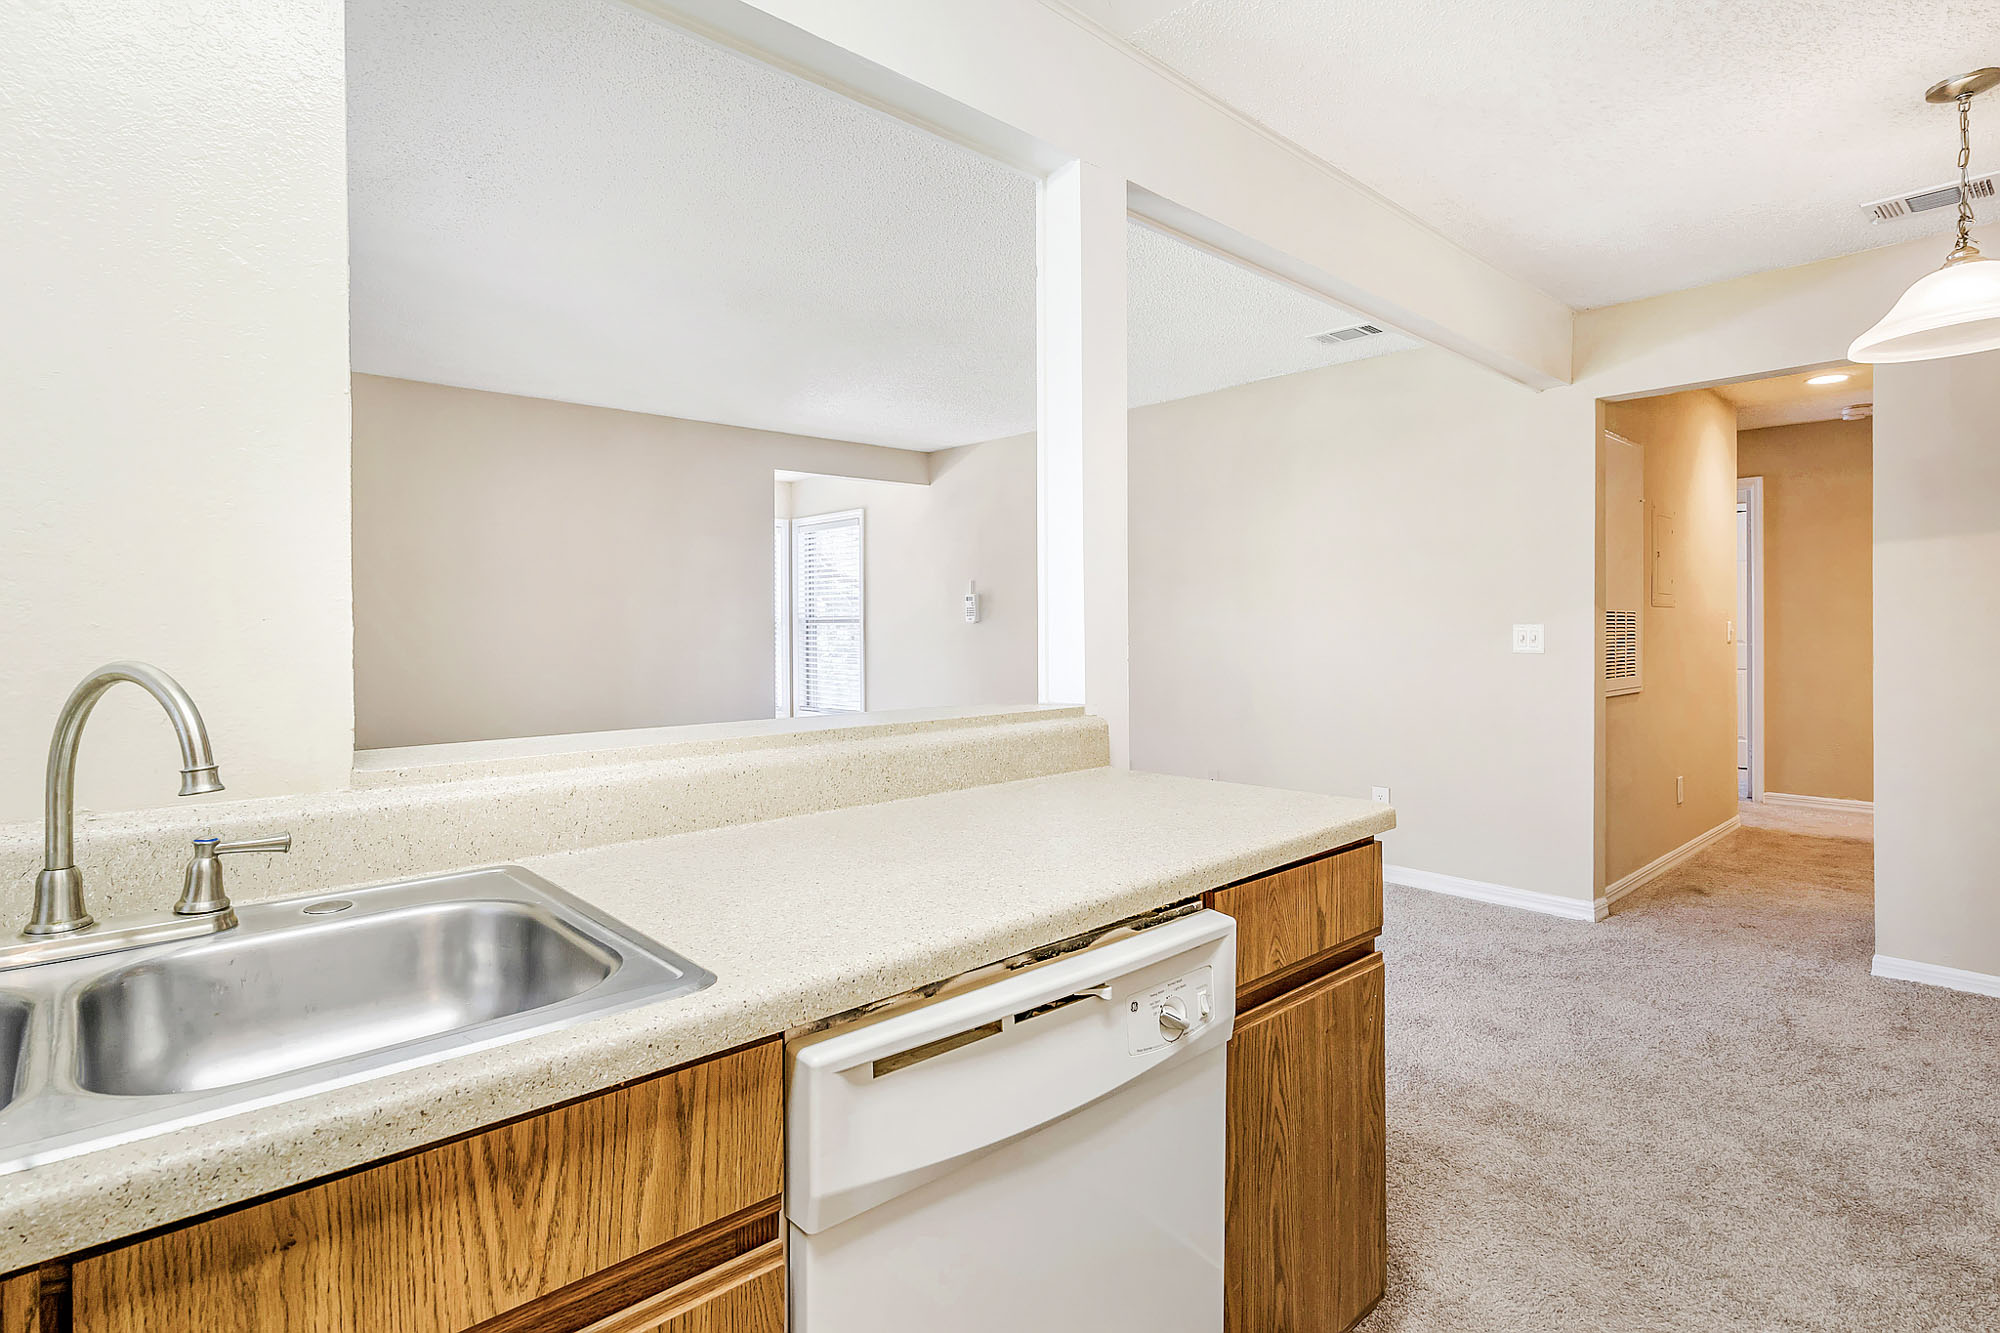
<point x="827" y="643"/>
<point x="781" y="611"/>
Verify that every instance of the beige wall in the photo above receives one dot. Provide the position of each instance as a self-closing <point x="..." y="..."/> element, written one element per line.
<point x="1326" y="569"/>
<point x="975" y="521"/>
<point x="173" y="382"/>
<point x="1937" y="637"/>
<point x="1819" y="722"/>
<point x="1682" y="724"/>
<point x="525" y="567"/>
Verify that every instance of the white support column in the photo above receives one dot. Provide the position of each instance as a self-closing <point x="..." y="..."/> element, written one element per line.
<point x="1085" y="623"/>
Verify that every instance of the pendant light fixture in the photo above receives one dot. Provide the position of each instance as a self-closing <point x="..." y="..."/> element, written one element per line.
<point x="1955" y="310"/>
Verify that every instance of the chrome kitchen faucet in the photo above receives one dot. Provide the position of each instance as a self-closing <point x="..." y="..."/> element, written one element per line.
<point x="60" y="925"/>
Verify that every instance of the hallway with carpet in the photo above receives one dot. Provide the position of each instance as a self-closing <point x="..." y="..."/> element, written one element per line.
<point x="1702" y="1113"/>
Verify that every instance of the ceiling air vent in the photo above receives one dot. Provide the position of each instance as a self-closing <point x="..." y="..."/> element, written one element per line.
<point x="1923" y="201"/>
<point x="1334" y="337"/>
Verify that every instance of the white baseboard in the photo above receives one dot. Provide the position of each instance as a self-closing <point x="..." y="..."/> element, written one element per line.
<point x="1660" y="865"/>
<point x="1820" y="802"/>
<point x="1551" y="904"/>
<point x="1931" y="974"/>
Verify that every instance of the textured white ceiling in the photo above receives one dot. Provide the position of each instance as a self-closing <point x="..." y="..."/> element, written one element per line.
<point x="1787" y="400"/>
<point x="1605" y="149"/>
<point x="1197" y="323"/>
<point x="566" y="199"/>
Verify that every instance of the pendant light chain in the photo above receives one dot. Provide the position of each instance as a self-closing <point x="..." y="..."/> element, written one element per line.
<point x="1964" y="170"/>
<point x="1954" y="311"/>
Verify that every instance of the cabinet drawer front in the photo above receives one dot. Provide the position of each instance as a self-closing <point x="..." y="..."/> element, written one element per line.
<point x="21" y="1303"/>
<point x="746" y="1295"/>
<point x="453" y="1235"/>
<point x="1307" y="1241"/>
<point x="1295" y="915"/>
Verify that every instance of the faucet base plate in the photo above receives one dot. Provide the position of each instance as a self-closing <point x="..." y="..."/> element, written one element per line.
<point x="59" y="908"/>
<point x="33" y="950"/>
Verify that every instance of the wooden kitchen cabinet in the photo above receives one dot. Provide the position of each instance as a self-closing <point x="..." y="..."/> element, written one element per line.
<point x="1291" y="922"/>
<point x="645" y="1202"/>
<point x="1306" y="1241"/>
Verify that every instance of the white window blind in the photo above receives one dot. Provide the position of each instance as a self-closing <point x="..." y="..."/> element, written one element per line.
<point x="827" y="657"/>
<point x="781" y="607"/>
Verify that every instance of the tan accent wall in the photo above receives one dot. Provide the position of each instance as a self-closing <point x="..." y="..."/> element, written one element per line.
<point x="1819" y="717"/>
<point x="1937" y="639"/>
<point x="921" y="544"/>
<point x="525" y="567"/>
<point x="1683" y="723"/>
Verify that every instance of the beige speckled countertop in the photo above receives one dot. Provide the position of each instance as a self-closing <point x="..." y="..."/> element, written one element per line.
<point x="800" y="918"/>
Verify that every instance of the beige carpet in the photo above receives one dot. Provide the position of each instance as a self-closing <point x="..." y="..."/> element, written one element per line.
<point x="1700" y="1114"/>
<point x="1827" y="823"/>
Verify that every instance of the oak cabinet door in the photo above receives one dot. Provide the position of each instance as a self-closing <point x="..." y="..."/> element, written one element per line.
<point x="1307" y="1245"/>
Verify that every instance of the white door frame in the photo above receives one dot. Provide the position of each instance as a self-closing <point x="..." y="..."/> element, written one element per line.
<point x="1750" y="490"/>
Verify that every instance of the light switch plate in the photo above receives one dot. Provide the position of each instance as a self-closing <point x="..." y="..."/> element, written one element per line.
<point x="1527" y="638"/>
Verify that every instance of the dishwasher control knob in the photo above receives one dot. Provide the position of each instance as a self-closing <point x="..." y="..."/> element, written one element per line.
<point x="1173" y="1018"/>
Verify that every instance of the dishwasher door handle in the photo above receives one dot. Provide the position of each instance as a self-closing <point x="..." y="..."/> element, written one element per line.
<point x="877" y="1109"/>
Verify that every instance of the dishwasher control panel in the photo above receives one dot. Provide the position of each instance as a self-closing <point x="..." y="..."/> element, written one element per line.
<point x="1169" y="1011"/>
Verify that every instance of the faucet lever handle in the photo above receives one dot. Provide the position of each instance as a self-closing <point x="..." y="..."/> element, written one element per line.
<point x="281" y="842"/>
<point x="201" y="889"/>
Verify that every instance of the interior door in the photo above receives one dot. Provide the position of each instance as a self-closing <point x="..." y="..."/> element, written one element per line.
<point x="1743" y="624"/>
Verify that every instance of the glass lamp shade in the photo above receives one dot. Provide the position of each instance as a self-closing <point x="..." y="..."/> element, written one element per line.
<point x="1951" y="312"/>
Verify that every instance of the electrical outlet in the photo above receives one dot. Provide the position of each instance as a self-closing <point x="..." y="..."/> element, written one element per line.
<point x="1680" y="791"/>
<point x="1527" y="638"/>
<point x="1381" y="794"/>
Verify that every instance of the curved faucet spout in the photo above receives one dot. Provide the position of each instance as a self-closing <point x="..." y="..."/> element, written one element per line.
<point x="59" y="905"/>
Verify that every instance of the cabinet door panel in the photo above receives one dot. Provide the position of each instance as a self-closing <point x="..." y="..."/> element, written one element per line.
<point x="1307" y="1208"/>
<point x="1295" y="915"/>
<point x="450" y="1236"/>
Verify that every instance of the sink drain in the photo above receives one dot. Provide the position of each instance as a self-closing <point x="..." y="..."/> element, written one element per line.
<point x="328" y="908"/>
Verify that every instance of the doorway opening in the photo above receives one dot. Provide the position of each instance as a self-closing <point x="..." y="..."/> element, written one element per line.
<point x="1805" y="661"/>
<point x="1737" y="612"/>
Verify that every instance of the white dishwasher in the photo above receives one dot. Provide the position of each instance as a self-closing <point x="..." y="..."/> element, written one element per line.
<point x="1041" y="1152"/>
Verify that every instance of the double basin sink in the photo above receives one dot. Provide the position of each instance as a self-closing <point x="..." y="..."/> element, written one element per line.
<point x="303" y="995"/>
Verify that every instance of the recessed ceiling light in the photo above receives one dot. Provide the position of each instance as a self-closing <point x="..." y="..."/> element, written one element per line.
<point x="1829" y="379"/>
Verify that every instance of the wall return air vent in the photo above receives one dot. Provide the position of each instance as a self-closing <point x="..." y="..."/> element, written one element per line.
<point x="1334" y="337"/>
<point x="1621" y="652"/>
<point x="1923" y="201"/>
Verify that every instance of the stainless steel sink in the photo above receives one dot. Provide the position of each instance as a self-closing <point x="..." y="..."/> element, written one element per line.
<point x="304" y="995"/>
<point x="13" y="1044"/>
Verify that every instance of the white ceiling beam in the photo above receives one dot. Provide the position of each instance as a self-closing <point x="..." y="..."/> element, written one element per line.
<point x="1037" y="84"/>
